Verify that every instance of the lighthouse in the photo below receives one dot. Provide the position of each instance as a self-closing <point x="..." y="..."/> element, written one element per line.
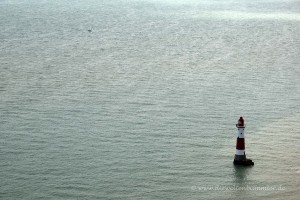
<point x="240" y="155"/>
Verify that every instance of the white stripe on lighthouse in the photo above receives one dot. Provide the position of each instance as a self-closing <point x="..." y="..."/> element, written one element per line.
<point x="240" y="132"/>
<point x="239" y="152"/>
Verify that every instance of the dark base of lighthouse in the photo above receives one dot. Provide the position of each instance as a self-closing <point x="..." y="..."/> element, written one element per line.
<point x="245" y="162"/>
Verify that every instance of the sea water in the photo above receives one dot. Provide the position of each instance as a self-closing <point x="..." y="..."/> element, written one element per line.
<point x="144" y="105"/>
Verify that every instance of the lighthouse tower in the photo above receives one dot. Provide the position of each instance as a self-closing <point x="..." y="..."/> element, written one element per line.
<point x="240" y="155"/>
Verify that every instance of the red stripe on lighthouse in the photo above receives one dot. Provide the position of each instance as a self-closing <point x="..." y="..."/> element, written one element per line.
<point x="240" y="143"/>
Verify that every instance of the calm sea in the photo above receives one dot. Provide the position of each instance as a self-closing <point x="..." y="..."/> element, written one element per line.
<point x="144" y="105"/>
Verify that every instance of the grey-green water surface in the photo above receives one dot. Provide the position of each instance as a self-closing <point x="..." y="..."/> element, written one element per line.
<point x="145" y="105"/>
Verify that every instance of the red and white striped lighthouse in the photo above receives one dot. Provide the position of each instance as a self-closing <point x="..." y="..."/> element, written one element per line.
<point x="240" y="155"/>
